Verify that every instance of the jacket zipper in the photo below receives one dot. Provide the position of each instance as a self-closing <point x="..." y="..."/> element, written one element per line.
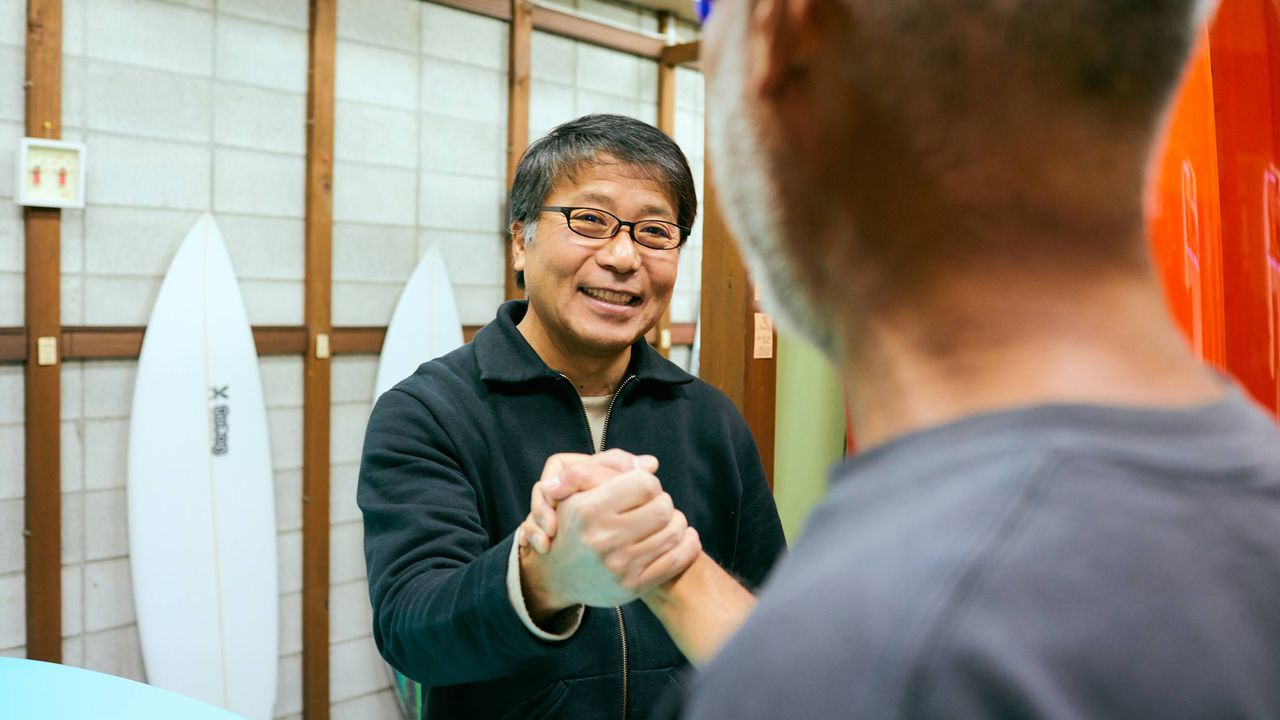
<point x="622" y="633"/>
<point x="604" y="434"/>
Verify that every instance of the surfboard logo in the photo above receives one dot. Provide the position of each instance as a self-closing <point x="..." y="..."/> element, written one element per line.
<point x="220" y="413"/>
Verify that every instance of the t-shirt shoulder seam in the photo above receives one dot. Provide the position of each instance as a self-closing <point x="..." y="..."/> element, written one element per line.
<point x="969" y="579"/>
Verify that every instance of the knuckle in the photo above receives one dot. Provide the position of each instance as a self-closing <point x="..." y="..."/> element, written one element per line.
<point x="680" y="522"/>
<point x="663" y="510"/>
<point x="667" y="504"/>
<point x="598" y="540"/>
<point x="589" y="507"/>
<point x="651" y="485"/>
<point x="580" y="504"/>
<point x="672" y="537"/>
<point x="615" y="564"/>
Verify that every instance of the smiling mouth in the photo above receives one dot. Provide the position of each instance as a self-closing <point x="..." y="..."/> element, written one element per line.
<point x="611" y="297"/>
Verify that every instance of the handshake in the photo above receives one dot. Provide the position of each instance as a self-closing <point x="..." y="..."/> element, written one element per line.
<point x="601" y="531"/>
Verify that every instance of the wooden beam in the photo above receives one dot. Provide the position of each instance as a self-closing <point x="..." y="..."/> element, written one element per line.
<point x="280" y="340"/>
<point x="358" y="340"/>
<point x="726" y="294"/>
<point x="519" y="62"/>
<point x="322" y="44"/>
<point x="496" y="9"/>
<point x="98" y="342"/>
<point x="667" y="124"/>
<point x="737" y="351"/>
<point x="101" y="343"/>
<point x="43" y="240"/>
<point x="566" y="24"/>
<point x="569" y="25"/>
<point x="667" y="79"/>
<point x="13" y="345"/>
<point x="682" y="53"/>
<point x="682" y="334"/>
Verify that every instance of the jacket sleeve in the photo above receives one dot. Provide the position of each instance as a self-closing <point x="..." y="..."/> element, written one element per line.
<point x="441" y="610"/>
<point x="760" y="541"/>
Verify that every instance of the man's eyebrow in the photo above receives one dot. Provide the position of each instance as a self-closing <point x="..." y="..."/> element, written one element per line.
<point x="648" y="212"/>
<point x="595" y="197"/>
<point x="652" y="211"/>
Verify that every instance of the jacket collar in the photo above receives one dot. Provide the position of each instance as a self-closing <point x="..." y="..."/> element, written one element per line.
<point x="505" y="356"/>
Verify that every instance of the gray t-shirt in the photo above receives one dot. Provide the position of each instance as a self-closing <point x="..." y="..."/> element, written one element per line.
<point x="1052" y="562"/>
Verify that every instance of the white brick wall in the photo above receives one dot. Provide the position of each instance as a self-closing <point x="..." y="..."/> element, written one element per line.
<point x="13" y="24"/>
<point x="282" y="391"/>
<point x="11" y="550"/>
<point x="375" y="75"/>
<point x="11" y="77"/>
<point x="150" y="34"/>
<point x="385" y="23"/>
<point x="132" y="100"/>
<point x="258" y="183"/>
<point x="463" y="37"/>
<point x="356" y="669"/>
<point x="259" y="118"/>
<point x="12" y="452"/>
<point x="134" y="171"/>
<point x="262" y="55"/>
<point x="13" y="609"/>
<point x="381" y="704"/>
<point x="375" y="195"/>
<point x="12" y="490"/>
<point x="11" y="253"/>
<point x="689" y="133"/>
<point x="289" y="13"/>
<point x="185" y="110"/>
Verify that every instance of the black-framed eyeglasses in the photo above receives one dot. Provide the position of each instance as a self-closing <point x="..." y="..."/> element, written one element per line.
<point x="600" y="224"/>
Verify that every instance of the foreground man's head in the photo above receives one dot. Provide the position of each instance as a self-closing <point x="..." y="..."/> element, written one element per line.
<point x="879" y="158"/>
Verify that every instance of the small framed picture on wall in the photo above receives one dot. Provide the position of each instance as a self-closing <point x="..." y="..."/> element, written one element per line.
<point x="50" y="173"/>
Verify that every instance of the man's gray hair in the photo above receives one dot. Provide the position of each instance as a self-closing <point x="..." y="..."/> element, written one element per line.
<point x="596" y="138"/>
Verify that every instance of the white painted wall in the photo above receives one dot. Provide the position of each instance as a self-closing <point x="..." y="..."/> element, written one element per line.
<point x="12" y="450"/>
<point x="195" y="105"/>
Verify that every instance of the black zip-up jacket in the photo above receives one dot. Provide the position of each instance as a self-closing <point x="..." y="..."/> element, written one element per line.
<point x="450" y="457"/>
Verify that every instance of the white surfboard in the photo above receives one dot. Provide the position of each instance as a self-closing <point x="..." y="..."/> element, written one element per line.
<point x="424" y="325"/>
<point x="202" y="532"/>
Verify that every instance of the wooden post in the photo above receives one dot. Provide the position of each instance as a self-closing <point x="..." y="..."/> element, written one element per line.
<point x="316" y="367"/>
<point x="738" y="353"/>
<point x="519" y="63"/>
<point x="667" y="124"/>
<point x="43" y="232"/>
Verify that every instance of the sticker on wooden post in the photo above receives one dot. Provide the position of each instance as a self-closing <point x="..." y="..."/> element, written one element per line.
<point x="763" y="346"/>
<point x="47" y="351"/>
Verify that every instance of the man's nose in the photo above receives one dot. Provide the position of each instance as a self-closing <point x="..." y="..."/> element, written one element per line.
<point x="619" y="253"/>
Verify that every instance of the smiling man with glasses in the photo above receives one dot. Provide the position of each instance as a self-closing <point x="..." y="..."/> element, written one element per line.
<point x="494" y="626"/>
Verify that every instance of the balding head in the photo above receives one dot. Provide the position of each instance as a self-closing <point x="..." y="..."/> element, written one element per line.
<point x="897" y="143"/>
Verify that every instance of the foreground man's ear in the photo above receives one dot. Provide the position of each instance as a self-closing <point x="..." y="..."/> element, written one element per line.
<point x="782" y="37"/>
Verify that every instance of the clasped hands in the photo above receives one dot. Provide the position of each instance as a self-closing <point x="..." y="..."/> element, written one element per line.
<point x="601" y="531"/>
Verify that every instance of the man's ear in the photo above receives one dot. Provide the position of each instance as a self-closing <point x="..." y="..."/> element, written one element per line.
<point x="517" y="245"/>
<point x="782" y="38"/>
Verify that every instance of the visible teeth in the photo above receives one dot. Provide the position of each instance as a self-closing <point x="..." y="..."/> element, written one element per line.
<point x="609" y="296"/>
